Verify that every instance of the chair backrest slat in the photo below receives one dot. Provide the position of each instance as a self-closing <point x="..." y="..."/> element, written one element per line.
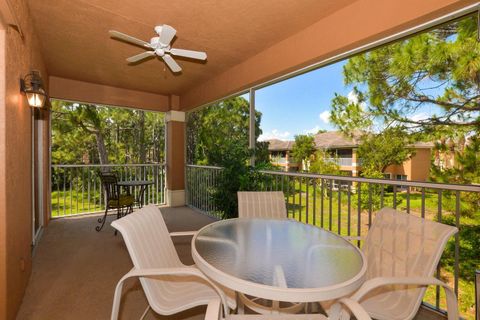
<point x="402" y="245"/>
<point x="109" y="183"/>
<point x="269" y="204"/>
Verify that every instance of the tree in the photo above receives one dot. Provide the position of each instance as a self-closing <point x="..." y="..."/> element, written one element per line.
<point x="393" y="83"/>
<point x="303" y="148"/>
<point x="324" y="163"/>
<point x="215" y="130"/>
<point x="389" y="147"/>
<point x="85" y="133"/>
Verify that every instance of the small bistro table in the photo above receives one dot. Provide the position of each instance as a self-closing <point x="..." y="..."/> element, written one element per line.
<point x="281" y="260"/>
<point x="127" y="185"/>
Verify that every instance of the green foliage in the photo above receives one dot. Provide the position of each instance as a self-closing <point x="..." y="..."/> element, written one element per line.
<point x="85" y="133"/>
<point x="371" y="193"/>
<point x="213" y="130"/>
<point x="236" y="176"/>
<point x="394" y="82"/>
<point x="324" y="163"/>
<point x="304" y="147"/>
<point x="389" y="147"/>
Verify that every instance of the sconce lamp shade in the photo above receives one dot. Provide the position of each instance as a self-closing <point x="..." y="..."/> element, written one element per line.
<point x="32" y="86"/>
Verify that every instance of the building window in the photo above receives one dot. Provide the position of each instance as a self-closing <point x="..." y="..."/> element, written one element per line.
<point x="387" y="176"/>
<point x="401" y="177"/>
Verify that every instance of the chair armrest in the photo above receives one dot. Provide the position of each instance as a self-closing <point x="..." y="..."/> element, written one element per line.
<point x="182" y="233"/>
<point x="150" y="273"/>
<point x="355" y="307"/>
<point x="369" y="285"/>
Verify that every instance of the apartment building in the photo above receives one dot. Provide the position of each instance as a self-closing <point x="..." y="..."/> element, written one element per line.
<point x="344" y="151"/>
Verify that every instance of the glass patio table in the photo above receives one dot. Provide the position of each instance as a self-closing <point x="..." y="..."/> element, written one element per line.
<point x="281" y="260"/>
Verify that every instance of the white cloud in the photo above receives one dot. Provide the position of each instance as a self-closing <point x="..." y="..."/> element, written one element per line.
<point x="353" y="98"/>
<point x="275" y="134"/>
<point x="419" y="116"/>
<point x="314" y="130"/>
<point x="325" y="116"/>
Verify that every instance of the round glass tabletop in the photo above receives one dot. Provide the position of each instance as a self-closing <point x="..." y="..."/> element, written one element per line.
<point x="277" y="254"/>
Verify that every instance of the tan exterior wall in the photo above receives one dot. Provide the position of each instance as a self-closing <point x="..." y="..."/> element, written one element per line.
<point x="417" y="168"/>
<point x="175" y="155"/>
<point x="21" y="55"/>
<point x="74" y="90"/>
<point x="360" y="23"/>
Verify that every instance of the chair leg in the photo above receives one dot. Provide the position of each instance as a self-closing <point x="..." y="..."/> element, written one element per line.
<point x="102" y="221"/>
<point x="145" y="312"/>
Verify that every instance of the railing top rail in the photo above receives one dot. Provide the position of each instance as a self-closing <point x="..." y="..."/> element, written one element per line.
<point x="203" y="167"/>
<point x="106" y="165"/>
<point x="420" y="184"/>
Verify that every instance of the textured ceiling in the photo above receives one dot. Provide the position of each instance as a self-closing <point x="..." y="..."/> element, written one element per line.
<point x="76" y="44"/>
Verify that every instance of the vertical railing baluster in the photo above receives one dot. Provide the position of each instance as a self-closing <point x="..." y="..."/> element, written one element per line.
<point x="370" y="205"/>
<point x="395" y="197"/>
<point x="321" y="202"/>
<point x="349" y="208"/>
<point x="300" y="201"/>
<point x="70" y="185"/>
<point x="314" y="218"/>
<point x="307" y="207"/>
<point x="439" y="218"/>
<point x="64" y="191"/>
<point x="83" y="189"/>
<point x="408" y="199"/>
<point x="456" y="272"/>
<point x="339" y="217"/>
<point x="294" y="195"/>
<point x="382" y="195"/>
<point x="359" y="211"/>
<point x="423" y="203"/>
<point x="330" y="209"/>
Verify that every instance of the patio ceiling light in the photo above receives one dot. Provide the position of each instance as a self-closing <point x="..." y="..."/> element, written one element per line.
<point x="32" y="86"/>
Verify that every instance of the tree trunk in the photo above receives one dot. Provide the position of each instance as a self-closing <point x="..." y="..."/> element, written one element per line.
<point x="102" y="150"/>
<point x="141" y="138"/>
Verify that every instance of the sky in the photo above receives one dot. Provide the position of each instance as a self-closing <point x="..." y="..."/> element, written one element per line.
<point x="301" y="104"/>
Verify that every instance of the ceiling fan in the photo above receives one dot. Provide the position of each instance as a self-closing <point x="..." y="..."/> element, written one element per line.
<point x="160" y="47"/>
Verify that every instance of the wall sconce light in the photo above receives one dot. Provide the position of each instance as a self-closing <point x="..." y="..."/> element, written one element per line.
<point x="32" y="86"/>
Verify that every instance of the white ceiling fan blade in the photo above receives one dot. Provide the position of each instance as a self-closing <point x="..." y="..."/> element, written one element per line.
<point x="141" y="56"/>
<point x="126" y="37"/>
<point x="167" y="34"/>
<point x="189" y="54"/>
<point x="172" y="64"/>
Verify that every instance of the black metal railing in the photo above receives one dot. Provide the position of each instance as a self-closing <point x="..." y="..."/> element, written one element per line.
<point x="347" y="206"/>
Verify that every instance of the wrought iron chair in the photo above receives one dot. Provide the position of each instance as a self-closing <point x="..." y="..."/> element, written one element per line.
<point x="123" y="203"/>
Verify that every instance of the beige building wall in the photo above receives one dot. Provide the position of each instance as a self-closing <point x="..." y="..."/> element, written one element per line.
<point x="20" y="55"/>
<point x="417" y="168"/>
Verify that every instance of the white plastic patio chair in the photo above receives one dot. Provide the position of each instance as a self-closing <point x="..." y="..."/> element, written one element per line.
<point x="214" y="313"/>
<point x="267" y="204"/>
<point x="402" y="253"/>
<point x="169" y="285"/>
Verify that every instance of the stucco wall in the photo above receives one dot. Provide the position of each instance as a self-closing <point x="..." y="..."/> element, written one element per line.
<point x="417" y="168"/>
<point x="21" y="55"/>
<point x="360" y="23"/>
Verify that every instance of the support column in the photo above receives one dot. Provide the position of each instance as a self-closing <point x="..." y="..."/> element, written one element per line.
<point x="175" y="158"/>
<point x="355" y="163"/>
